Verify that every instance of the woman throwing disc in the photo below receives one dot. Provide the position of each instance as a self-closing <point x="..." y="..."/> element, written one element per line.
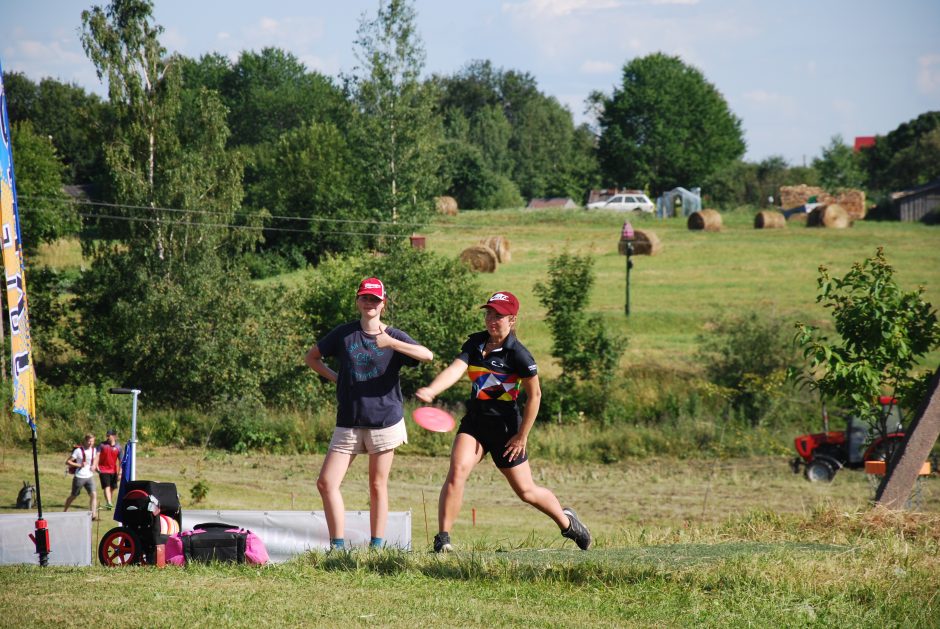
<point x="498" y="365"/>
<point x="369" y="410"/>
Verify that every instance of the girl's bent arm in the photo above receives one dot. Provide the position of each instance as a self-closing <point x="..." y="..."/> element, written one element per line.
<point x="314" y="360"/>
<point x="444" y="380"/>
<point x="418" y="352"/>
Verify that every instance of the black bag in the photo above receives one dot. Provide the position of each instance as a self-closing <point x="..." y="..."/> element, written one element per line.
<point x="219" y="543"/>
<point x="27" y="497"/>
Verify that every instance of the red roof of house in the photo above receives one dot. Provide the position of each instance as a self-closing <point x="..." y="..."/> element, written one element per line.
<point x="864" y="141"/>
<point x="563" y="202"/>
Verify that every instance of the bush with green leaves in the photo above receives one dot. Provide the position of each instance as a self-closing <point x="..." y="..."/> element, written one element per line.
<point x="884" y="332"/>
<point x="187" y="334"/>
<point x="435" y="299"/>
<point x="747" y="357"/>
<point x="586" y="350"/>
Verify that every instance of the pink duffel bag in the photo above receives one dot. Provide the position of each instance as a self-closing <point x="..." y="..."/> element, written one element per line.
<point x="213" y="541"/>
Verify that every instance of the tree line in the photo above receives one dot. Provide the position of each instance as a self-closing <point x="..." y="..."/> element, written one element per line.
<point x="302" y="150"/>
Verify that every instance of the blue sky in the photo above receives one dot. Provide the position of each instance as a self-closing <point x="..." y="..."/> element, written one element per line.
<point x="796" y="72"/>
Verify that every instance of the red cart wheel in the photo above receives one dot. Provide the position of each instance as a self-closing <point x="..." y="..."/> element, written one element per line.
<point x="119" y="547"/>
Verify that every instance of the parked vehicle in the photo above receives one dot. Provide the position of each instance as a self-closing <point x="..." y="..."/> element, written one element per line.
<point x="823" y="454"/>
<point x="625" y="203"/>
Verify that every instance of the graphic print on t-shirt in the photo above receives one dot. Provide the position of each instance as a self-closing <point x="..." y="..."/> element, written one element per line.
<point x="362" y="356"/>
<point x="492" y="385"/>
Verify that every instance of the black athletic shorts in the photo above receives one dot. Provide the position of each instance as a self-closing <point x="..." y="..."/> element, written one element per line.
<point x="108" y="480"/>
<point x="493" y="433"/>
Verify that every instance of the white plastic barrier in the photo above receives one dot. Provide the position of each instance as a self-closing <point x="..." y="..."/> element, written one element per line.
<point x="289" y="533"/>
<point x="69" y="538"/>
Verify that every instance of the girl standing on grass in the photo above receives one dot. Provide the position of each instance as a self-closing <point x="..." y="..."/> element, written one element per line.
<point x="497" y="364"/>
<point x="369" y="410"/>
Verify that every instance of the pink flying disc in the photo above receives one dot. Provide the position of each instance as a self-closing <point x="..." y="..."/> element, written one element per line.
<point x="433" y="418"/>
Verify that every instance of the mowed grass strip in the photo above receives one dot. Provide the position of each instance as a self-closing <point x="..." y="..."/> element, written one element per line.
<point x="878" y="581"/>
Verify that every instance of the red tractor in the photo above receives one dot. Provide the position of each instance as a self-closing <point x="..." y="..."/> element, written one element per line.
<point x="825" y="453"/>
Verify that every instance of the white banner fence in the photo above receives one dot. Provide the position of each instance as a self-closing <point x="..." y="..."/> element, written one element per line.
<point x="69" y="538"/>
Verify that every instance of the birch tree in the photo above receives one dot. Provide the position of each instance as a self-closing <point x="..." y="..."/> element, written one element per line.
<point x="397" y="130"/>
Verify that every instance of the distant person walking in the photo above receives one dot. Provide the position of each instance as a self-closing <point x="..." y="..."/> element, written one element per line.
<point x="369" y="408"/>
<point x="82" y="463"/>
<point x="498" y="366"/>
<point x="109" y="467"/>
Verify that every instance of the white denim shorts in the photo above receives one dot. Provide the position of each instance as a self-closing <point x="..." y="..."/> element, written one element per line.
<point x="368" y="440"/>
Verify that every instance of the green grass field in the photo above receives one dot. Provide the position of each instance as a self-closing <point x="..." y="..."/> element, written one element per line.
<point x="698" y="275"/>
<point x="678" y="543"/>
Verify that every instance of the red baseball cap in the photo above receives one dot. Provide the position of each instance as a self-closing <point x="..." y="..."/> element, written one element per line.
<point x="372" y="286"/>
<point x="503" y="302"/>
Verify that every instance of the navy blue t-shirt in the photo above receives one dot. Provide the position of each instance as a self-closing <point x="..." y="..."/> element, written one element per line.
<point x="368" y="392"/>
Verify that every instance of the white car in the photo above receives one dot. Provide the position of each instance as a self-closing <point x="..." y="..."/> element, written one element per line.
<point x="625" y="203"/>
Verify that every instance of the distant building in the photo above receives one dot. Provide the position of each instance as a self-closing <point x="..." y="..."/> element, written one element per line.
<point x="913" y="205"/>
<point x="563" y="202"/>
<point x="863" y="142"/>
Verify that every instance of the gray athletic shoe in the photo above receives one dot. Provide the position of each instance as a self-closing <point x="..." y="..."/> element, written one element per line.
<point x="442" y="543"/>
<point x="576" y="530"/>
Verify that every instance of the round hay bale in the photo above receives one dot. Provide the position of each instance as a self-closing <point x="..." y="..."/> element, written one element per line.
<point x="446" y="205"/>
<point x="832" y="216"/>
<point x="480" y="259"/>
<point x="705" y="220"/>
<point x="500" y="246"/>
<point x="645" y="243"/>
<point x="769" y="220"/>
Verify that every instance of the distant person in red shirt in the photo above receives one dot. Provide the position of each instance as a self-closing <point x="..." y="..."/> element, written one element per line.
<point x="109" y="466"/>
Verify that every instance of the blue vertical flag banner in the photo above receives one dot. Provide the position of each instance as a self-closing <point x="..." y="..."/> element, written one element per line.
<point x="127" y="475"/>
<point x="24" y="401"/>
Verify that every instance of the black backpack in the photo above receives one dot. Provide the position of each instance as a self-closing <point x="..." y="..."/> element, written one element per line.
<point x="27" y="497"/>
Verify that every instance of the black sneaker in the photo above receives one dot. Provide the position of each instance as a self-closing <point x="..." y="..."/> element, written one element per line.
<point x="576" y="530"/>
<point x="442" y="543"/>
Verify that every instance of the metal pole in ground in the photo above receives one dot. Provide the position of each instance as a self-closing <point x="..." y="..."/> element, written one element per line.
<point x="41" y="535"/>
<point x="626" y="236"/>
<point x="133" y="441"/>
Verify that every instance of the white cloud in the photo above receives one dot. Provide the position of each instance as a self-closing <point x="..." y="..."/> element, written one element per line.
<point x="329" y="65"/>
<point x="54" y="52"/>
<point x="297" y="34"/>
<point x="173" y="40"/>
<point x="268" y="25"/>
<point x="559" y="8"/>
<point x="592" y="66"/>
<point x="928" y="73"/>
<point x="760" y="100"/>
<point x="762" y="96"/>
<point x="844" y="107"/>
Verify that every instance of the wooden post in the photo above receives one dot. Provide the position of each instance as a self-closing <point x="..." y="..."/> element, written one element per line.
<point x="898" y="482"/>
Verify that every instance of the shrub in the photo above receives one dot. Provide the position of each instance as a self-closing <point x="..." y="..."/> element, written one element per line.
<point x="747" y="356"/>
<point x="192" y="333"/>
<point x="883" y="333"/>
<point x="587" y="351"/>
